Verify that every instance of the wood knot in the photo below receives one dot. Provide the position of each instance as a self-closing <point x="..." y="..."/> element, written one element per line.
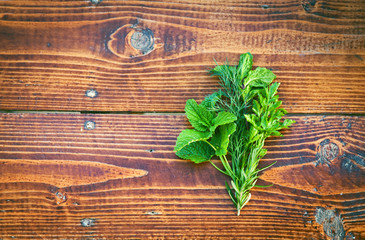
<point x="327" y="151"/>
<point x="142" y="40"/>
<point x="309" y="5"/>
<point x="132" y="40"/>
<point x="331" y="222"/>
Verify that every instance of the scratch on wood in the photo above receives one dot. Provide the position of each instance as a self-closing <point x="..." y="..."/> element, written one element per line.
<point x="152" y="213"/>
<point x="359" y="57"/>
<point x="63" y="173"/>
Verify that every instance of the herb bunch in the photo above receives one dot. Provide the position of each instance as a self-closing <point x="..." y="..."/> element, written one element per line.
<point x="233" y="124"/>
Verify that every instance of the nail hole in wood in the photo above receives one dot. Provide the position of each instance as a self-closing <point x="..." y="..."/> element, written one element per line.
<point x="87" y="222"/>
<point x="62" y="197"/>
<point x="89" y="125"/>
<point x="91" y="93"/>
<point x="95" y="2"/>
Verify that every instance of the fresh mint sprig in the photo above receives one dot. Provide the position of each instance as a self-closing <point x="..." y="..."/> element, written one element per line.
<point x="233" y="124"/>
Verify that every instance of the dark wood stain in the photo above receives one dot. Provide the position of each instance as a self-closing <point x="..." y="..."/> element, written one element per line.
<point x="91" y="101"/>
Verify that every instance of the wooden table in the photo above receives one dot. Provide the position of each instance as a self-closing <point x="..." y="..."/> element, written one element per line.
<point x="92" y="95"/>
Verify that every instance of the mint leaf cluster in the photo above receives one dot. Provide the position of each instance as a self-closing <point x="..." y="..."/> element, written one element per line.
<point x="210" y="135"/>
<point x="233" y="123"/>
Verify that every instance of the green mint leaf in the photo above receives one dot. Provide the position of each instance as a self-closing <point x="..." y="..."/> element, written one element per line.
<point x="189" y="136"/>
<point x="220" y="139"/>
<point x="244" y="66"/>
<point x="199" y="117"/>
<point x="221" y="119"/>
<point x="197" y="152"/>
<point x="260" y="77"/>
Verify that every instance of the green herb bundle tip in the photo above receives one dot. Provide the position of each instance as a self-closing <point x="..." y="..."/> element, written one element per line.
<point x="233" y="124"/>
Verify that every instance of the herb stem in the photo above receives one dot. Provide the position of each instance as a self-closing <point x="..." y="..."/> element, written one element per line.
<point x="215" y="166"/>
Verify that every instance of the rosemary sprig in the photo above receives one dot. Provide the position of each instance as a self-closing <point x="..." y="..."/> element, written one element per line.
<point x="235" y="121"/>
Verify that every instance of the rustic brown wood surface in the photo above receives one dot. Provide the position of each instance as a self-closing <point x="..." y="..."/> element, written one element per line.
<point x="319" y="165"/>
<point x="92" y="95"/>
<point x="153" y="56"/>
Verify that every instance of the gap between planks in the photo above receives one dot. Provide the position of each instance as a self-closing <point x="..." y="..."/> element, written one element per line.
<point x="292" y="114"/>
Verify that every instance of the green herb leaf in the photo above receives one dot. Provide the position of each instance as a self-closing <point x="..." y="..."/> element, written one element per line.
<point x="211" y="100"/>
<point x="197" y="152"/>
<point x="191" y="144"/>
<point x="273" y="89"/>
<point x="254" y="120"/>
<point x="220" y="139"/>
<point x="260" y="77"/>
<point x="189" y="136"/>
<point x="221" y="119"/>
<point x="222" y="71"/>
<point x="244" y="66"/>
<point x="199" y="117"/>
<point x="287" y="123"/>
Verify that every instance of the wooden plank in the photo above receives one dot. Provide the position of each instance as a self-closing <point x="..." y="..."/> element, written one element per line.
<point x="150" y="56"/>
<point x="318" y="192"/>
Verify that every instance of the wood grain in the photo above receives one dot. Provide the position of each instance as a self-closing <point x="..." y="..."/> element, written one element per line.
<point x="148" y="56"/>
<point x="63" y="173"/>
<point x="100" y="164"/>
<point x="178" y="199"/>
